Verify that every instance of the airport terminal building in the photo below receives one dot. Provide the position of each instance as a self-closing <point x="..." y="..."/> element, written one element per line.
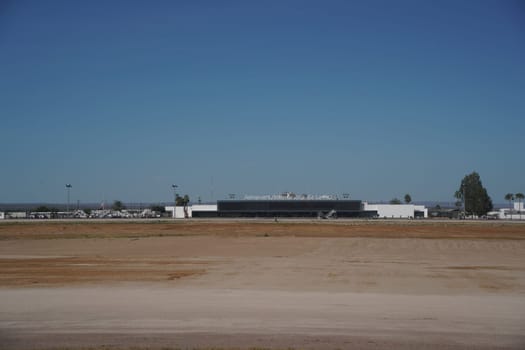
<point x="291" y="206"/>
<point x="297" y="208"/>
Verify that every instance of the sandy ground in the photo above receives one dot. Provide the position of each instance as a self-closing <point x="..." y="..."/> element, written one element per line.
<point x="311" y="285"/>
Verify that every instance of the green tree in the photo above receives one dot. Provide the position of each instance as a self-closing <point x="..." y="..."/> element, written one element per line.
<point x="395" y="201"/>
<point x="408" y="199"/>
<point x="474" y="196"/>
<point x="182" y="201"/>
<point x="42" y="209"/>
<point x="118" y="205"/>
<point x="509" y="197"/>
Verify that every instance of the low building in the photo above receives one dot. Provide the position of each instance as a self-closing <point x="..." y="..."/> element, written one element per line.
<point x="190" y="211"/>
<point x="2" y="215"/>
<point x="302" y="207"/>
<point x="299" y="208"/>
<point x="516" y="213"/>
<point x="16" y="215"/>
<point x="397" y="211"/>
<point x="204" y="210"/>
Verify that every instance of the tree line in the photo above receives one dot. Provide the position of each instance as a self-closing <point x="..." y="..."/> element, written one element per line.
<point x="475" y="198"/>
<point x="472" y="196"/>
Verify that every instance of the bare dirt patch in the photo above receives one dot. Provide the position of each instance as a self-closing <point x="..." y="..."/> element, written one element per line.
<point x="228" y="228"/>
<point x="293" y="259"/>
<point x="243" y="284"/>
<point x="55" y="271"/>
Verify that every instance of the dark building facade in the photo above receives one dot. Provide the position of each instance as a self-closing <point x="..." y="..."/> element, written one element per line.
<point x="292" y="208"/>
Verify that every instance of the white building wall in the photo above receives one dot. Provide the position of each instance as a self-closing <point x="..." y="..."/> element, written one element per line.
<point x="178" y="213"/>
<point x="179" y="210"/>
<point x="516" y="214"/>
<point x="395" y="211"/>
<point x="17" y="215"/>
<point x="2" y="215"/>
<point x="204" y="207"/>
<point x="505" y="214"/>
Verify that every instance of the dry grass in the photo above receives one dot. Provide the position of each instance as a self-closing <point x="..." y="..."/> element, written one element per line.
<point x="104" y="347"/>
<point x="358" y="228"/>
<point x="55" y="253"/>
<point x="109" y="347"/>
<point x="81" y="270"/>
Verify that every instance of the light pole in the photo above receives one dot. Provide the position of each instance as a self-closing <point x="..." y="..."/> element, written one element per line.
<point x="174" y="199"/>
<point x="68" y="188"/>
<point x="465" y="200"/>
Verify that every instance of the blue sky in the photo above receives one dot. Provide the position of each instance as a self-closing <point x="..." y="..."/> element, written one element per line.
<point x="373" y="98"/>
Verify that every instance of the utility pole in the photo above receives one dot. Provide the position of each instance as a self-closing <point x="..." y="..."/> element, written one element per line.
<point x="68" y="189"/>
<point x="465" y="200"/>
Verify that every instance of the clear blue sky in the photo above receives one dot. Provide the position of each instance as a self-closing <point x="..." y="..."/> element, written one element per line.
<point x="373" y="98"/>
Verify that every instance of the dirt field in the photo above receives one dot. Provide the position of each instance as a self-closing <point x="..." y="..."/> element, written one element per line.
<point x="241" y="284"/>
<point x="250" y="228"/>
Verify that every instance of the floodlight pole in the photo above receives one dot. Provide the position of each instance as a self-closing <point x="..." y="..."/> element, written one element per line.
<point x="68" y="188"/>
